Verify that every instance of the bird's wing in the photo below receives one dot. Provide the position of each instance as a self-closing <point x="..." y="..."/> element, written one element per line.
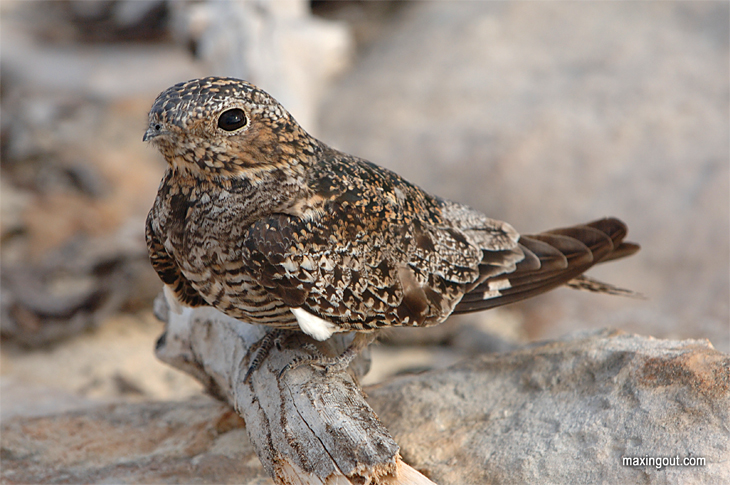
<point x="357" y="268"/>
<point x="343" y="270"/>
<point x="168" y="270"/>
<point x="552" y="258"/>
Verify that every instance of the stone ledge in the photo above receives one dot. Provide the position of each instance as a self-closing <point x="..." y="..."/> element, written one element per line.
<point x="558" y="412"/>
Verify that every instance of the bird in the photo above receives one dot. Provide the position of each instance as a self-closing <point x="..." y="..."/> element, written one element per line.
<point x="271" y="226"/>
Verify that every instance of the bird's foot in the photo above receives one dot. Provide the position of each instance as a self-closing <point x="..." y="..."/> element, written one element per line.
<point x="271" y="339"/>
<point x="331" y="365"/>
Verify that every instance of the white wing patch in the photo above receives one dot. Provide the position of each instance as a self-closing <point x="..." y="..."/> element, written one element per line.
<point x="500" y="284"/>
<point x="495" y="286"/>
<point x="312" y="325"/>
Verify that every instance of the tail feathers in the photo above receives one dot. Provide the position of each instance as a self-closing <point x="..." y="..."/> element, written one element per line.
<point x="554" y="258"/>
<point x="616" y="230"/>
<point x="587" y="283"/>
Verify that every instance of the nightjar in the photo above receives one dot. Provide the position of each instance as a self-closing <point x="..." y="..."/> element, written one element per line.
<point x="269" y="225"/>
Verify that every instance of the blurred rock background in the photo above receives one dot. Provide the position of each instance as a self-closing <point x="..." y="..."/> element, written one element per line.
<point x="541" y="114"/>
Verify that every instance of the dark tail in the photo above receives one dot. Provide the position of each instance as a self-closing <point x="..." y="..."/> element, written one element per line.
<point x="552" y="259"/>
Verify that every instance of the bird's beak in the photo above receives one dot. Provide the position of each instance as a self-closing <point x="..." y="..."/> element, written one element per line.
<point x="154" y="130"/>
<point x="150" y="134"/>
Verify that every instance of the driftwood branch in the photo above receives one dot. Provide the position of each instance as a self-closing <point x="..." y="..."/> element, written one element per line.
<point x="307" y="427"/>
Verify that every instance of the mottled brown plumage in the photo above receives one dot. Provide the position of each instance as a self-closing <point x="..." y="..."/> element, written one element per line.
<point x="267" y="224"/>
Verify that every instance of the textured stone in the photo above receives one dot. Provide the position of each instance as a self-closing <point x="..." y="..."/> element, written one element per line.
<point x="113" y="363"/>
<point x="567" y="412"/>
<point x="559" y="412"/>
<point x="200" y="441"/>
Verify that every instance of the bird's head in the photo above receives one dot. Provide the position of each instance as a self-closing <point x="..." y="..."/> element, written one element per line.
<point x="225" y="127"/>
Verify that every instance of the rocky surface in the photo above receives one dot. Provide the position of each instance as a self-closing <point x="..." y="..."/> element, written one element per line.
<point x="115" y="363"/>
<point x="559" y="412"/>
<point x="199" y="441"/>
<point x="567" y="412"/>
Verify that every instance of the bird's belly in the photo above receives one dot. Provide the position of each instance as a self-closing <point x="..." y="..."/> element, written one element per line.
<point x="231" y="290"/>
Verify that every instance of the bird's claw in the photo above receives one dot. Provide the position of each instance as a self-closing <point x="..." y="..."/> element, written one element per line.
<point x="270" y="340"/>
<point x="328" y="365"/>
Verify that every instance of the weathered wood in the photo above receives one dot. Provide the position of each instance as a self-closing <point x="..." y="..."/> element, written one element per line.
<point x="307" y="426"/>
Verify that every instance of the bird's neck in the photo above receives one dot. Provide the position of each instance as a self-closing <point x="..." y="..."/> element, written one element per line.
<point x="257" y="191"/>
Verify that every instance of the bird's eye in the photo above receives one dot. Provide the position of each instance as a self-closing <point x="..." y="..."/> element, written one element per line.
<point x="232" y="119"/>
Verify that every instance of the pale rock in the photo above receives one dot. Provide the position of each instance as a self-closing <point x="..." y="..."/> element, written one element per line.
<point x="565" y="411"/>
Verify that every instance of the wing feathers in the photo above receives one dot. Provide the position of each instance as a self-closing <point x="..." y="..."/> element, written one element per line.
<point x="553" y="258"/>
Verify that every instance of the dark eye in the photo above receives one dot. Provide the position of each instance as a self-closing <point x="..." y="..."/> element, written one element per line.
<point x="232" y="119"/>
